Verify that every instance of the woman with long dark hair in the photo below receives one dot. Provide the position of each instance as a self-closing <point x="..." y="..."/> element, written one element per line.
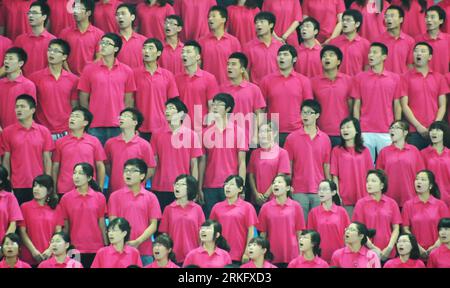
<point x="407" y="252"/>
<point x="59" y="246"/>
<point x="163" y="253"/>
<point x="310" y="252"/>
<point x="10" y="250"/>
<point x="440" y="257"/>
<point x="259" y="254"/>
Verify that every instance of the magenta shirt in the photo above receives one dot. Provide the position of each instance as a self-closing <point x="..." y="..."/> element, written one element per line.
<point x="241" y="22"/>
<point x="9" y="211"/>
<point x="439" y="257"/>
<point x="301" y="262"/>
<point x="400" y="52"/>
<point x="440" y="166"/>
<point x="364" y="258"/>
<point x="195" y="17"/>
<point x="373" y="20"/>
<point x="139" y="210"/>
<point x="60" y="16"/>
<point x="171" y="58"/>
<point x="151" y="19"/>
<point x="19" y="264"/>
<point x="109" y="257"/>
<point x="397" y="263"/>
<point x="52" y="263"/>
<point x="201" y="258"/>
<point x="281" y="223"/>
<point x="182" y="224"/>
<point x="5" y="44"/>
<point x="105" y="15"/>
<point x="170" y="264"/>
<point x="414" y="20"/>
<point x="286" y="12"/>
<point x="354" y="54"/>
<point x="308" y="60"/>
<point x="441" y="51"/>
<point x="15" y="17"/>
<point x="445" y="4"/>
<point x="251" y="264"/>
<point x="131" y="52"/>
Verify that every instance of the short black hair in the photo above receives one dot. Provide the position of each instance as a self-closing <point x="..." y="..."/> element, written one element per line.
<point x="176" y="101"/>
<point x="28" y="98"/>
<point x="116" y="39"/>
<point x="313" y="104"/>
<point x="333" y="49"/>
<point x="176" y="18"/>
<point x="88" y="4"/>
<point x="222" y="11"/>
<point x="381" y="176"/>
<point x="5" y="184"/>
<point x="194" y="44"/>
<point x="20" y="53"/>
<point x="191" y="185"/>
<point x="238" y="179"/>
<point x="13" y="237"/>
<point x="356" y="15"/>
<point x="441" y="13"/>
<point x="384" y="48"/>
<point x="270" y="17"/>
<point x="138" y="163"/>
<point x="65" y="46"/>
<point x="45" y="9"/>
<point x="87" y="115"/>
<point x="159" y="46"/>
<point x="137" y="116"/>
<point x="399" y="9"/>
<point x="312" y="20"/>
<point x="131" y="8"/>
<point x="423" y="43"/>
<point x="123" y="225"/>
<point x="443" y="223"/>
<point x="241" y="57"/>
<point x="227" y="99"/>
<point x="291" y="49"/>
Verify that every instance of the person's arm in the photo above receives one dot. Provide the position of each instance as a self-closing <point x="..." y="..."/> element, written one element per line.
<point x="84" y="99"/>
<point x="194" y="168"/>
<point x="29" y="244"/>
<point x="263" y="235"/>
<point x="337" y="29"/>
<point x="442" y="107"/>
<point x="250" y="235"/>
<point x="151" y="229"/>
<point x="397" y="110"/>
<point x="326" y="171"/>
<point x="66" y="228"/>
<point x="55" y="173"/>
<point x="259" y="197"/>
<point x="101" y="170"/>
<point x="7" y="163"/>
<point x="201" y="175"/>
<point x="11" y="227"/>
<point x="290" y="30"/>
<point x="2" y="72"/>
<point x="350" y="106"/>
<point x="394" y="236"/>
<point x="108" y="169"/>
<point x="357" y="109"/>
<point x="74" y="103"/>
<point x="129" y="100"/>
<point x="242" y="168"/>
<point x="47" y="162"/>
<point x="102" y="225"/>
<point x="150" y="173"/>
<point x="411" y="118"/>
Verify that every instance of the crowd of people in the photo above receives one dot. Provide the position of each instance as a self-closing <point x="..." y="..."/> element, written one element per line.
<point x="253" y="134"/>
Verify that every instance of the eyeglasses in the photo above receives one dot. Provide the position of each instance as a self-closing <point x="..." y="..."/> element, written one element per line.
<point x="218" y="104"/>
<point x="308" y="113"/>
<point x="51" y="50"/>
<point x="34" y="13"/>
<point x="131" y="171"/>
<point x="170" y="23"/>
<point x="106" y="43"/>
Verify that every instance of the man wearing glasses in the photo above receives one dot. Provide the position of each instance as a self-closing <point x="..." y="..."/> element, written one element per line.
<point x="171" y="56"/>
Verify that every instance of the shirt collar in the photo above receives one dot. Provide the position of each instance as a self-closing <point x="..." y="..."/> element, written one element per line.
<point x="431" y="200"/>
<point x="203" y="251"/>
<point x="179" y="45"/>
<point x="115" y="64"/>
<point x="33" y="126"/>
<point x="90" y="193"/>
<point x="44" y="33"/>
<point x="19" y="79"/>
<point x="440" y="36"/>
<point x="126" y="250"/>
<point x="384" y="73"/>
<point x="243" y="84"/>
<point x="332" y="209"/>
<point x="140" y="193"/>
<point x="175" y="204"/>
<point x="362" y="251"/>
<point x="315" y="47"/>
<point x="133" y="140"/>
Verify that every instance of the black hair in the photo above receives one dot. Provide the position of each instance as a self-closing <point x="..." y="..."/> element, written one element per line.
<point x="415" y="252"/>
<point x="194" y="44"/>
<point x="291" y="49"/>
<point x="137" y="116"/>
<point x="165" y="240"/>
<point x="66" y="237"/>
<point x="14" y="238"/>
<point x="20" y="53"/>
<point x="441" y="13"/>
<point x="131" y="8"/>
<point x="443" y="223"/>
<point x="423" y="5"/>
<point x="5" y="184"/>
<point x="399" y="9"/>
<point x="423" y="43"/>
<point x="264" y="244"/>
<point x="403" y="124"/>
<point x="243" y="60"/>
<point x="220" y="241"/>
<point x="123" y="225"/>
<point x="161" y="3"/>
<point x="222" y="11"/>
<point x="176" y="101"/>
<point x="87" y="115"/>
<point x="363" y="230"/>
<point x="384" y="48"/>
<point x="248" y="3"/>
<point x="89" y="171"/>
<point x="311" y="20"/>
<point x="288" y="180"/>
<point x="47" y="182"/>
<point x="159" y="46"/>
<point x="116" y="39"/>
<point x="434" y="190"/>
<point x="333" y="49"/>
<point x="65" y="46"/>
<point x="363" y="3"/>
<point x="176" y="18"/>
<point x="45" y="9"/>
<point x="191" y="185"/>
<point x="227" y="99"/>
<point x="333" y="187"/>
<point x="359" y="142"/>
<point x="381" y="176"/>
<point x="315" y="240"/>
<point x="356" y="15"/>
<point x="88" y="4"/>
<point x="238" y="179"/>
<point x="268" y="16"/>
<point x="139" y="164"/>
<point x="313" y="104"/>
<point x="27" y="98"/>
<point x="443" y="126"/>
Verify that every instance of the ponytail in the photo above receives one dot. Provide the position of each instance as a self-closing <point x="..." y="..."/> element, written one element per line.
<point x="94" y="185"/>
<point x="5" y="184"/>
<point x="222" y="243"/>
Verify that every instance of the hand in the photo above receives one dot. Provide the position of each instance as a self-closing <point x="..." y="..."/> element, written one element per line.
<point x="245" y="258"/>
<point x="200" y="199"/>
<point x="326" y="41"/>
<point x="422" y="131"/>
<point x="385" y="253"/>
<point x="47" y="254"/>
<point x="260" y="199"/>
<point x="134" y="243"/>
<point x="37" y="256"/>
<point x="423" y="252"/>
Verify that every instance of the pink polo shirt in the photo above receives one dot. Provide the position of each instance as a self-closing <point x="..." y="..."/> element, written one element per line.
<point x="286" y="12"/>
<point x="215" y="53"/>
<point x="195" y="17"/>
<point x="281" y="223"/>
<point x="330" y="224"/>
<point x="378" y="215"/>
<point x="301" y="262"/>
<point x="26" y="147"/>
<point x="401" y="167"/>
<point x="131" y="52"/>
<point x="52" y="263"/>
<point x="251" y="264"/>
<point x="40" y="222"/>
<point x="397" y="263"/>
<point x="16" y="19"/>
<point x="351" y="168"/>
<point x="265" y="164"/>
<point x="364" y="258"/>
<point x="423" y="95"/>
<point x="109" y="257"/>
<point x="414" y="20"/>
<point x="441" y="51"/>
<point x="170" y="264"/>
<point x="36" y="49"/>
<point x="173" y="159"/>
<point x="9" y="211"/>
<point x="182" y="224"/>
<point x="83" y="46"/>
<point x="10" y="91"/>
<point x="19" y="264"/>
<point x="151" y="19"/>
<point x="83" y="214"/>
<point x="308" y="157"/>
<point x="70" y="151"/>
<point x="400" y="51"/>
<point x="373" y="20"/>
<point x="279" y="90"/>
<point x="308" y="60"/>
<point x="5" y="44"/>
<point x="152" y="92"/>
<point x="201" y="258"/>
<point x="355" y="53"/>
<point x="139" y="210"/>
<point x="423" y="218"/>
<point x="377" y="93"/>
<point x="325" y="11"/>
<point x="333" y="96"/>
<point x="60" y="16"/>
<point x="445" y="4"/>
<point x="222" y="149"/>
<point x="118" y="152"/>
<point x="241" y="22"/>
<point x="171" y="58"/>
<point x="55" y="97"/>
<point x="107" y="90"/>
<point x="196" y="91"/>
<point x="236" y="219"/>
<point x="439" y="257"/>
<point x="262" y="59"/>
<point x="439" y="164"/>
<point x="105" y="15"/>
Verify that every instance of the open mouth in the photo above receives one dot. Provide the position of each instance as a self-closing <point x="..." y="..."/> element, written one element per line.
<point x="327" y="62"/>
